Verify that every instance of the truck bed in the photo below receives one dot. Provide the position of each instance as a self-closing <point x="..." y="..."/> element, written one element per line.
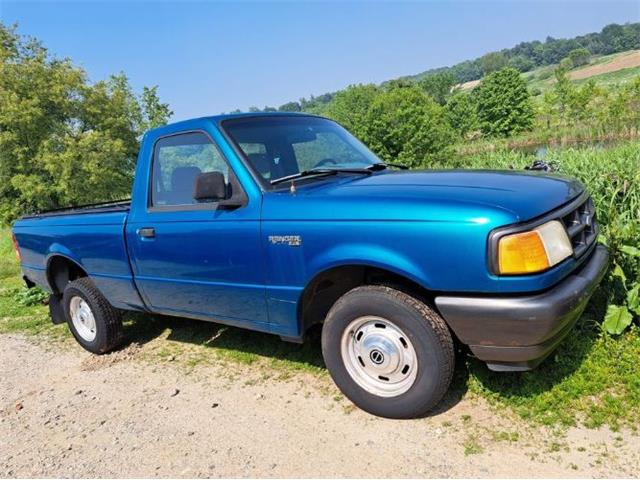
<point x="90" y="236"/>
<point x="100" y="207"/>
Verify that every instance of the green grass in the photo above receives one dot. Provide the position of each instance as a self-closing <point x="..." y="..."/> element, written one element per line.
<point x="593" y="378"/>
<point x="192" y="341"/>
<point x="16" y="315"/>
<point x="542" y="79"/>
<point x="611" y="79"/>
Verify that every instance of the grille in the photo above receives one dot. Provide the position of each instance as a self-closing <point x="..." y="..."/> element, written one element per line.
<point x="581" y="226"/>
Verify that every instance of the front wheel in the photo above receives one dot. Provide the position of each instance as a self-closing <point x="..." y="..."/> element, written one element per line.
<point x="388" y="352"/>
<point x="93" y="321"/>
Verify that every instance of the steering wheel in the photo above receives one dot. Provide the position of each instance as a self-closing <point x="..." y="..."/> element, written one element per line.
<point x="325" y="161"/>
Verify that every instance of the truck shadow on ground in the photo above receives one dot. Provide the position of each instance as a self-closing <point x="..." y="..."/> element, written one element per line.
<point x="248" y="347"/>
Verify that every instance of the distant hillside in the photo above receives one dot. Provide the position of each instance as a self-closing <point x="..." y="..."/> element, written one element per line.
<point x="605" y="70"/>
<point x="525" y="56"/>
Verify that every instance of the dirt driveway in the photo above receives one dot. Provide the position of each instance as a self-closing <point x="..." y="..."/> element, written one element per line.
<point x="65" y="413"/>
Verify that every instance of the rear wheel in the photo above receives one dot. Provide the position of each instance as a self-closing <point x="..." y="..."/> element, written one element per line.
<point x="388" y="352"/>
<point x="95" y="324"/>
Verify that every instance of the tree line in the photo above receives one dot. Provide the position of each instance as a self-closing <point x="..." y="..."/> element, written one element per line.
<point x="524" y="57"/>
<point x="421" y="124"/>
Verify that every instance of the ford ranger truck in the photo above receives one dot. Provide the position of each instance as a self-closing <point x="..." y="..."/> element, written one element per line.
<point x="279" y="222"/>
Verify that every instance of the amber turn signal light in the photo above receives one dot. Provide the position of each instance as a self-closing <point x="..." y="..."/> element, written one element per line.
<point x="535" y="250"/>
<point x="522" y="253"/>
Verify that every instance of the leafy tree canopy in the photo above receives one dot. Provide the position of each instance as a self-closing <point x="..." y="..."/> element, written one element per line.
<point x="406" y="125"/>
<point x="64" y="140"/>
<point x="492" y="62"/>
<point x="438" y="85"/>
<point x="579" y="56"/>
<point x="461" y="111"/>
<point x="350" y="107"/>
<point x="504" y="103"/>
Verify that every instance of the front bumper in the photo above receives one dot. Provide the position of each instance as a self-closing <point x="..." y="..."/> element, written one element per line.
<point x="516" y="333"/>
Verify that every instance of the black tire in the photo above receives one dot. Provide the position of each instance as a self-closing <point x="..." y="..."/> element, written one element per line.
<point x="108" y="321"/>
<point x="427" y="332"/>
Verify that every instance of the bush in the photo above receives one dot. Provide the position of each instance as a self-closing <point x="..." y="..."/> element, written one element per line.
<point x="438" y="85"/>
<point x="566" y="64"/>
<point x="521" y="63"/>
<point x="462" y="114"/>
<point x="493" y="62"/>
<point x="28" y="297"/>
<point x="350" y="107"/>
<point x="504" y="104"/>
<point x="405" y="125"/>
<point x="579" y="57"/>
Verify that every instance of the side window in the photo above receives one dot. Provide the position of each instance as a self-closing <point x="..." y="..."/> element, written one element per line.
<point x="177" y="161"/>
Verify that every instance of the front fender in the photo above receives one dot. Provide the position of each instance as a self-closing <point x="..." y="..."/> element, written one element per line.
<point x="370" y="255"/>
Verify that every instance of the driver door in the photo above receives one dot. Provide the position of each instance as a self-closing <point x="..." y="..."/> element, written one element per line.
<point x="195" y="259"/>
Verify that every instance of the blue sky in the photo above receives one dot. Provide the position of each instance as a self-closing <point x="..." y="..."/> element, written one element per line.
<point x="210" y="57"/>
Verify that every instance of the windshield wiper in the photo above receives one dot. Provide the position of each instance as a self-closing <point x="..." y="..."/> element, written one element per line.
<point x="374" y="167"/>
<point x="316" y="172"/>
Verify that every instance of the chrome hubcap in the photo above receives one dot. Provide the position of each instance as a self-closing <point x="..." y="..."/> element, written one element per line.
<point x="82" y="318"/>
<point x="379" y="356"/>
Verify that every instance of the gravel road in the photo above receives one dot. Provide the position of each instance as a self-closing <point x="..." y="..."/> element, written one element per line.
<point x="65" y="413"/>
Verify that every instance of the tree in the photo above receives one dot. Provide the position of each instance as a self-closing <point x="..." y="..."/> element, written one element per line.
<point x="492" y="62"/>
<point x="438" y="85"/>
<point x="504" y="104"/>
<point x="155" y="113"/>
<point x="350" y="107"/>
<point x="565" y="65"/>
<point x="405" y="125"/>
<point x="579" y="57"/>
<point x="290" y="107"/>
<point x="63" y="140"/>
<point x="398" y="83"/>
<point x="521" y="63"/>
<point x="462" y="114"/>
<point x="563" y="89"/>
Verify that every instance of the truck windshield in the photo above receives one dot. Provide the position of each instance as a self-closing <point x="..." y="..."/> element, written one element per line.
<point x="283" y="146"/>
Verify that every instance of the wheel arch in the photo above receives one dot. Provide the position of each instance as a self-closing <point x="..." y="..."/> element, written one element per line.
<point x="62" y="269"/>
<point x="329" y="284"/>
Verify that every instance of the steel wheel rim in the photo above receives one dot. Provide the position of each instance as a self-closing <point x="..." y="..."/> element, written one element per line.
<point x="379" y="356"/>
<point x="82" y="317"/>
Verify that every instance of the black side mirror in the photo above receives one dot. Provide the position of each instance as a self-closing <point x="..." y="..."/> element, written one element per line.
<point x="210" y="187"/>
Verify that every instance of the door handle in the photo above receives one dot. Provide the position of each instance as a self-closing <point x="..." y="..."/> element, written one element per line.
<point x="147" y="232"/>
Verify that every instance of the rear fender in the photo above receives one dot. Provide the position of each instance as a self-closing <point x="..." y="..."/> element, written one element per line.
<point x="57" y="250"/>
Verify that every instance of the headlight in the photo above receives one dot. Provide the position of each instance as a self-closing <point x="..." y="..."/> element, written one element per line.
<point x="535" y="250"/>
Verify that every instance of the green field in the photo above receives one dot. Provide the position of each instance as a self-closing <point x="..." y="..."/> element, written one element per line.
<point x="542" y="79"/>
<point x="594" y="378"/>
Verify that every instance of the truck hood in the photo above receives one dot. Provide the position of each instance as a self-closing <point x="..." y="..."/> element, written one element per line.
<point x="425" y="195"/>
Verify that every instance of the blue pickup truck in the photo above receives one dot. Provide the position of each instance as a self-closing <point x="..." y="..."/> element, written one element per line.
<point x="279" y="222"/>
